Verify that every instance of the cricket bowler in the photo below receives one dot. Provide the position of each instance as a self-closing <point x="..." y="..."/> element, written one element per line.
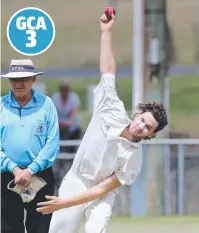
<point x="109" y="155"/>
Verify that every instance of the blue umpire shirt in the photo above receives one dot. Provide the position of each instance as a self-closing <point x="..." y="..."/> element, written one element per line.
<point x="29" y="134"/>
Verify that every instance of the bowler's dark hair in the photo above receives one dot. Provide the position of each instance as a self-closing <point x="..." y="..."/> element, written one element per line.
<point x="158" y="111"/>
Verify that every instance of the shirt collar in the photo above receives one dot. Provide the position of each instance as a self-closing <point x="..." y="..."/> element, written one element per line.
<point x="31" y="104"/>
<point x="134" y="144"/>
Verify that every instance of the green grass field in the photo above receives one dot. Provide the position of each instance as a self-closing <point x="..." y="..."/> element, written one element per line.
<point x="153" y="225"/>
<point x="184" y="100"/>
<point x="184" y="91"/>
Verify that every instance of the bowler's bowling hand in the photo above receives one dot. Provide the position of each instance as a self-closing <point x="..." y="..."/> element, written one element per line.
<point x="23" y="178"/>
<point x="105" y="24"/>
<point x="54" y="204"/>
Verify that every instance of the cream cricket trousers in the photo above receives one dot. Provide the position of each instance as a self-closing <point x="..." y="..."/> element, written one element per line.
<point x="97" y="212"/>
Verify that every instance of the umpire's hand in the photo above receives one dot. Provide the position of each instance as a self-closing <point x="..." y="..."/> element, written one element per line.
<point x="23" y="178"/>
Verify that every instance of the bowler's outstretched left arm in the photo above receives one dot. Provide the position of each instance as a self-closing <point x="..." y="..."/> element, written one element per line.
<point x="98" y="191"/>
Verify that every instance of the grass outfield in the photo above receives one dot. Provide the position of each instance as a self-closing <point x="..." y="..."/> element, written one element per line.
<point x="184" y="91"/>
<point x="153" y="225"/>
<point x="184" y="100"/>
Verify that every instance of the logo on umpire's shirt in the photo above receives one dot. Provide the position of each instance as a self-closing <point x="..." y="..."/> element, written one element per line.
<point x="30" y="31"/>
<point x="40" y="129"/>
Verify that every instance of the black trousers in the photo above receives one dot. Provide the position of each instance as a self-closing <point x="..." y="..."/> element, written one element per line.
<point x="12" y="207"/>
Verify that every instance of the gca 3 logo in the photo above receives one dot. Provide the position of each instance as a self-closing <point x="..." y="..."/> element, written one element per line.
<point x="31" y="31"/>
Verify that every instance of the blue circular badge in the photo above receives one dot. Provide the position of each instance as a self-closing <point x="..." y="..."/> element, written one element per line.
<point x="30" y="31"/>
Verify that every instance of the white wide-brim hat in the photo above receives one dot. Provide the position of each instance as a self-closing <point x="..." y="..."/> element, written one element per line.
<point x="21" y="69"/>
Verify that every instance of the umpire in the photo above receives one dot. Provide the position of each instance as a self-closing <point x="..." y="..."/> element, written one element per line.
<point x="29" y="146"/>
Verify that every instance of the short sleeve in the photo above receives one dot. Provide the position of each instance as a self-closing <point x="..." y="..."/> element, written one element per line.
<point x="129" y="166"/>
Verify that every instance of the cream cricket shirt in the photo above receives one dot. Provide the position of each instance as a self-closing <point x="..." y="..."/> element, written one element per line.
<point x="102" y="150"/>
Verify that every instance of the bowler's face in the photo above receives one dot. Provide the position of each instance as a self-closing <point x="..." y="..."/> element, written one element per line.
<point x="21" y="86"/>
<point x="143" y="125"/>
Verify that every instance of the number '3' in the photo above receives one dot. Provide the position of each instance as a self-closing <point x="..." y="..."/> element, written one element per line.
<point x="31" y="38"/>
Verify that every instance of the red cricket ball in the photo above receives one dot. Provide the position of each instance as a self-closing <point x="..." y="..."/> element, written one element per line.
<point x="109" y="11"/>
